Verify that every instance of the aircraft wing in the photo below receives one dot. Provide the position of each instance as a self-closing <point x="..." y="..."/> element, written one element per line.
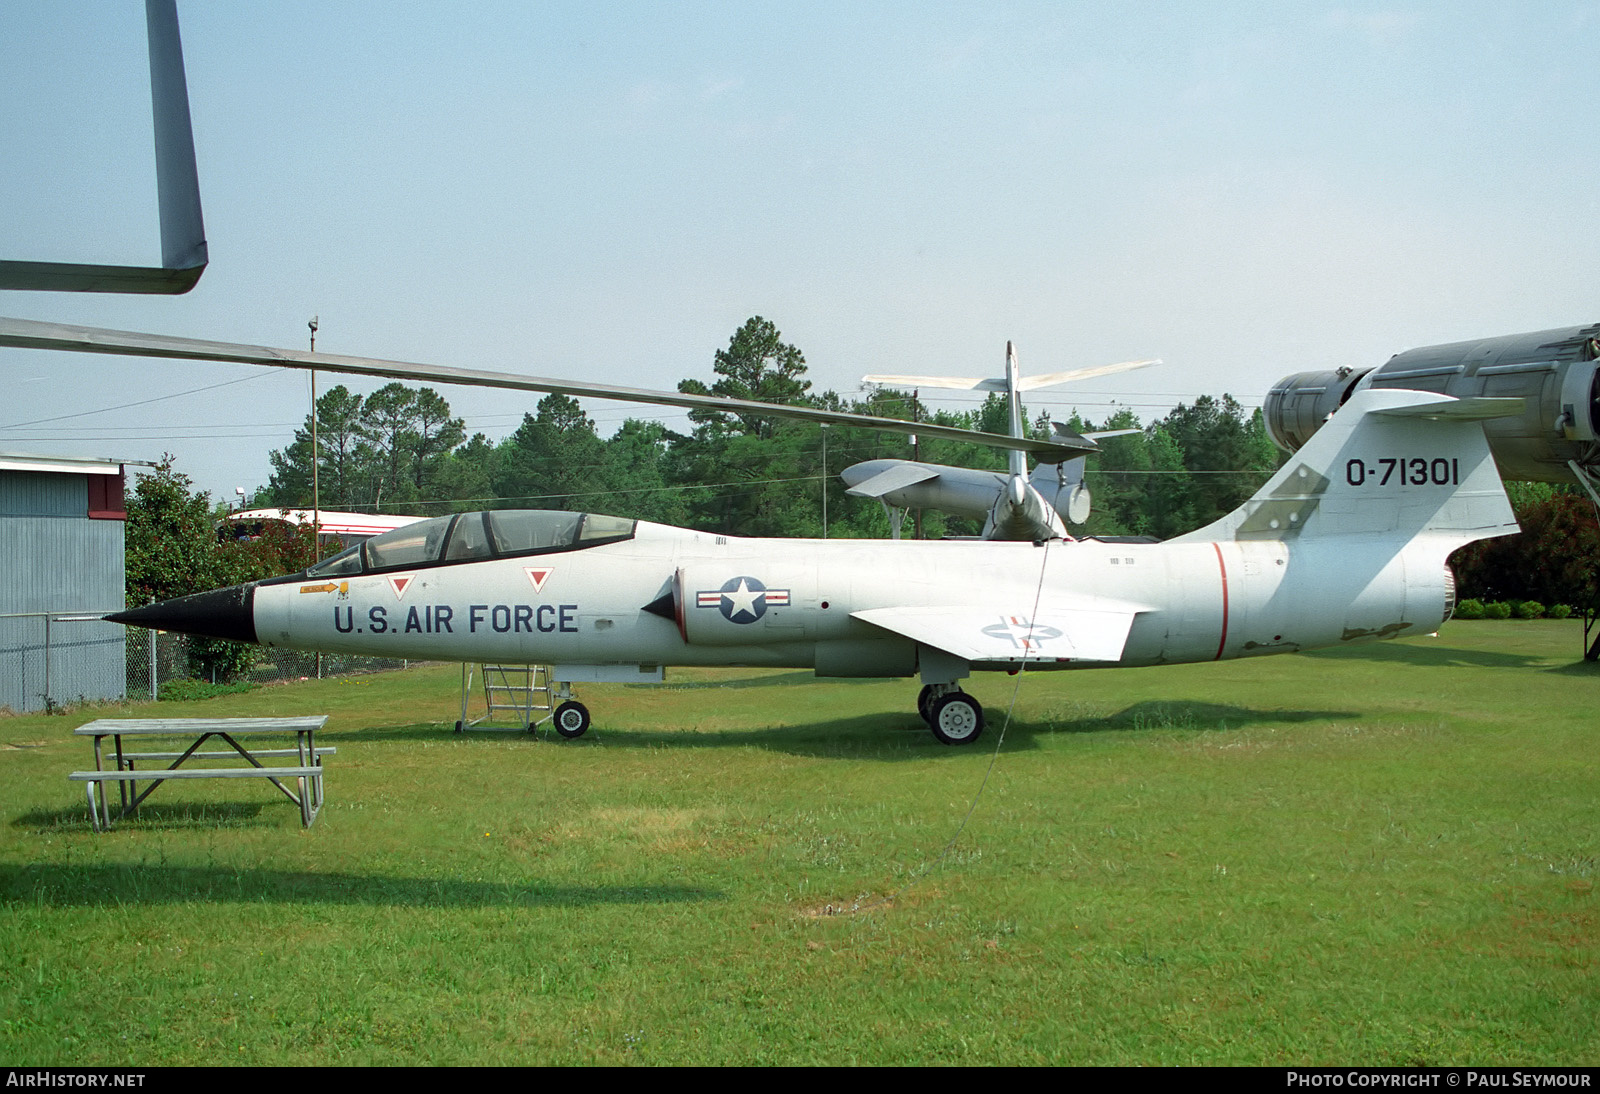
<point x="898" y="477"/>
<point x="30" y="334"/>
<point x="974" y="634"/>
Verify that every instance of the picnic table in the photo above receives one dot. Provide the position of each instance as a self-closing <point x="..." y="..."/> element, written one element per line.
<point x="119" y="765"/>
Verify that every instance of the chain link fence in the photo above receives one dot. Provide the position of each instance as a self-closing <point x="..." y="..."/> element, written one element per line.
<point x="155" y="659"/>
<point x="51" y="659"/>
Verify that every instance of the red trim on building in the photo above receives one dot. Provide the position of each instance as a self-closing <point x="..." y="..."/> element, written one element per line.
<point x="106" y="500"/>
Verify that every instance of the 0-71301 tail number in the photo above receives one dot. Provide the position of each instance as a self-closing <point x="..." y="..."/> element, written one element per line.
<point x="1401" y="471"/>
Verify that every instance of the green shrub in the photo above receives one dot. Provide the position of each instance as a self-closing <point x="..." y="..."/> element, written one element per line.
<point x="219" y="659"/>
<point x="184" y="691"/>
<point x="1471" y="608"/>
<point x="1528" y="609"/>
<point x="1497" y="609"/>
<point x="1558" y="611"/>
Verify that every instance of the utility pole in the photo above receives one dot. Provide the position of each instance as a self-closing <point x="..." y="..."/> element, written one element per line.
<point x="316" y="493"/>
<point x="916" y="455"/>
<point x="824" y="480"/>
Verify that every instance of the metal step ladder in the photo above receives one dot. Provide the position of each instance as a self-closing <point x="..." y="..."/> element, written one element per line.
<point x="518" y="693"/>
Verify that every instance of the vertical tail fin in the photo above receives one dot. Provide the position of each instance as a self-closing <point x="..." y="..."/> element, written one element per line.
<point x="1389" y="464"/>
<point x="183" y="230"/>
<point x="1018" y="463"/>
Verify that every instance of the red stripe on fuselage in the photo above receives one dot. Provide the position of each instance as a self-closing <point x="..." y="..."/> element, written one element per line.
<point x="1222" y="568"/>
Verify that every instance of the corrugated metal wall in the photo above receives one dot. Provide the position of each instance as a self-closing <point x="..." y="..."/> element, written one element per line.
<point x="55" y="561"/>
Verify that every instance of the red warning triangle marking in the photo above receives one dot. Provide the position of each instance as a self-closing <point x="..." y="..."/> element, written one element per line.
<point x="538" y="575"/>
<point x="399" y="583"/>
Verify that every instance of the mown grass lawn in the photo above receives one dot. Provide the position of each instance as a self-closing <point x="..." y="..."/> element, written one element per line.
<point x="1380" y="855"/>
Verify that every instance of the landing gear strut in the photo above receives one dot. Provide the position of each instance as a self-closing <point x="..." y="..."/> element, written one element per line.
<point x="954" y="716"/>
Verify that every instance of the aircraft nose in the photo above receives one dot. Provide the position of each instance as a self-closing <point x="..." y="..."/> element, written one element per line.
<point x="1017" y="490"/>
<point x="221" y="613"/>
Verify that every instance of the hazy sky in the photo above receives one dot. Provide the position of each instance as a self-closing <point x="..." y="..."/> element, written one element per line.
<point x="609" y="190"/>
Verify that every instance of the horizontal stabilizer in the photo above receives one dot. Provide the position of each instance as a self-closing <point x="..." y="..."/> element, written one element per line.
<point x="79" y="277"/>
<point x="1473" y="408"/>
<point x="1086" y="442"/>
<point x="897" y="477"/>
<point x="958" y="383"/>
<point x="998" y="383"/>
<point x="975" y="635"/>
<point x="1050" y="379"/>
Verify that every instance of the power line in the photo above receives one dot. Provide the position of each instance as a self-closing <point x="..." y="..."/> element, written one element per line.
<point x="132" y="437"/>
<point x="140" y="402"/>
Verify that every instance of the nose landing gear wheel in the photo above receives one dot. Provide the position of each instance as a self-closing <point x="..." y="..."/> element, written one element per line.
<point x="956" y="719"/>
<point x="571" y="719"/>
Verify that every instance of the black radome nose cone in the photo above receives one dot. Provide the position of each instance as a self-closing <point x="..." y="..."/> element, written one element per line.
<point x="222" y="613"/>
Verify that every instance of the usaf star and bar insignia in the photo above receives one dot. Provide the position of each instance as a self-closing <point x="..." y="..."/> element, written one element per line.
<point x="1022" y="633"/>
<point x="742" y="599"/>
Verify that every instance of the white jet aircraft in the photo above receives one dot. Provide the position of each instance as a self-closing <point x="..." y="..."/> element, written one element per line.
<point x="1347" y="543"/>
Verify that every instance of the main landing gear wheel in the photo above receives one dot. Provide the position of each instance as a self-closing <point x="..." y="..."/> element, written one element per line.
<point x="925" y="703"/>
<point x="956" y="719"/>
<point x="571" y="719"/>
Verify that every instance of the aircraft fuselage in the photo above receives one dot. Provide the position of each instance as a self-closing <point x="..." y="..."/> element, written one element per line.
<point x="792" y="602"/>
<point x="1347" y="543"/>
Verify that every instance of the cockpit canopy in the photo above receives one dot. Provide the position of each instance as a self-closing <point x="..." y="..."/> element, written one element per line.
<point x="475" y="537"/>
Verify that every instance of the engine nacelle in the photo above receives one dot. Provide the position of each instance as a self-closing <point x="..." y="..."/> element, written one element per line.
<point x="1555" y="372"/>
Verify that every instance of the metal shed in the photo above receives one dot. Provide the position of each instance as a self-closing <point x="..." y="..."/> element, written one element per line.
<point x="61" y="568"/>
